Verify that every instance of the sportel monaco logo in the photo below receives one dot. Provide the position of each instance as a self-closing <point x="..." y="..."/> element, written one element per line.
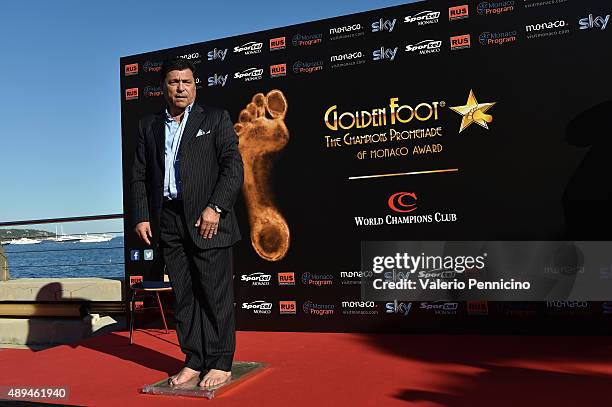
<point x="423" y="18"/>
<point x="249" y="48"/>
<point x="131" y="69"/>
<point x="403" y="202"/>
<point x="258" y="307"/>
<point x="425" y="47"/>
<point x="249" y="74"/>
<point x="458" y="12"/>
<point x="257" y="278"/>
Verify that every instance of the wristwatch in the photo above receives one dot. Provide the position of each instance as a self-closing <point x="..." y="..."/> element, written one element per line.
<point x="215" y="208"/>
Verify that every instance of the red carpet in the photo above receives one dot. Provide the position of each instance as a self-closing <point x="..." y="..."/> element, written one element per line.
<point x="312" y="369"/>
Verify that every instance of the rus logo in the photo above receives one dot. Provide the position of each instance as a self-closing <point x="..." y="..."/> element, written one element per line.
<point x="277" y="43"/>
<point x="288" y="307"/>
<point x="131" y="69"/>
<point x="403" y="202"/>
<point x="278" y="70"/>
<point x="286" y="278"/>
<point x="460" y="42"/>
<point x="458" y="12"/>
<point x="131" y="94"/>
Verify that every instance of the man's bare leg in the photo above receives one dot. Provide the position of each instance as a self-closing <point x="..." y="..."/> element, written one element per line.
<point x="215" y="377"/>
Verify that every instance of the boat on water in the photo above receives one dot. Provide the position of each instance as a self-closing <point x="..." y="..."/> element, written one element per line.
<point x="25" y="240"/>
<point x="95" y="238"/>
<point x="63" y="238"/>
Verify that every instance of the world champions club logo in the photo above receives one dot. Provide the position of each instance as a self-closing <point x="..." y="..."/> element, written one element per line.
<point x="403" y="202"/>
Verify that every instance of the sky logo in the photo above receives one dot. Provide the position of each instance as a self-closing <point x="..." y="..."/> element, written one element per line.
<point x="594" y="22"/>
<point x="135" y="255"/>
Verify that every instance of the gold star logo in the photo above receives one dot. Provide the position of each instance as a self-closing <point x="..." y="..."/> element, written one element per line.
<point x="474" y="112"/>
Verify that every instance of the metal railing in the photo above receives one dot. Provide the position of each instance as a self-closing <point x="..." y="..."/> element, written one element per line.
<point x="49" y="252"/>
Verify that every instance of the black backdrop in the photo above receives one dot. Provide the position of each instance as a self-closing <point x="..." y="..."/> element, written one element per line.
<point x="539" y="172"/>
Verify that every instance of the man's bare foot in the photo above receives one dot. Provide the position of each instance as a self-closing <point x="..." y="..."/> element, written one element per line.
<point x="262" y="133"/>
<point x="186" y="374"/>
<point x="215" y="377"/>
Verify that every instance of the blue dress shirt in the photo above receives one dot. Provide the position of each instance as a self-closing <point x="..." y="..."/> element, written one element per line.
<point x="174" y="133"/>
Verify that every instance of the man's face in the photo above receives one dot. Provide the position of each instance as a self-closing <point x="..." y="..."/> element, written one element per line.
<point x="180" y="89"/>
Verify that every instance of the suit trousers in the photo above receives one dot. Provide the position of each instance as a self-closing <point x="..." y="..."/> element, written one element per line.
<point x="202" y="281"/>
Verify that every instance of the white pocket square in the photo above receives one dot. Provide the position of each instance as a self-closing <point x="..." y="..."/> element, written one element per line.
<point x="202" y="132"/>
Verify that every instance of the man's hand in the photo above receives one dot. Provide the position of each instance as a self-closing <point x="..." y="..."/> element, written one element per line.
<point x="208" y="223"/>
<point x="143" y="230"/>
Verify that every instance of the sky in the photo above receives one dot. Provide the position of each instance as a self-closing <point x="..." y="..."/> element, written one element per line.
<point x="60" y="150"/>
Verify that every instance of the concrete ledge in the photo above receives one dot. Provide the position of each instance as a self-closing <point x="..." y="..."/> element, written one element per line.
<point x="61" y="289"/>
<point x="43" y="332"/>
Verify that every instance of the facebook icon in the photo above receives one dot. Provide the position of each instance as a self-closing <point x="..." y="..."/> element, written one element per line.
<point x="135" y="255"/>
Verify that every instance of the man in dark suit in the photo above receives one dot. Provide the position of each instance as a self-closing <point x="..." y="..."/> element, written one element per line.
<point x="186" y="175"/>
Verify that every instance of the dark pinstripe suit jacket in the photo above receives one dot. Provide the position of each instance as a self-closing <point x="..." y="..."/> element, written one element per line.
<point x="211" y="172"/>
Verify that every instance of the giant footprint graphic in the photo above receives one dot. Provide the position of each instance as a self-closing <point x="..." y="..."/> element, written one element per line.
<point x="260" y="138"/>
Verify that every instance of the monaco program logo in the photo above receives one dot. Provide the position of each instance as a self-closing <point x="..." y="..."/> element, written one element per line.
<point x="305" y="40"/>
<point x="311" y="308"/>
<point x="403" y="202"/>
<point x="152" y="66"/>
<point x="487" y="8"/>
